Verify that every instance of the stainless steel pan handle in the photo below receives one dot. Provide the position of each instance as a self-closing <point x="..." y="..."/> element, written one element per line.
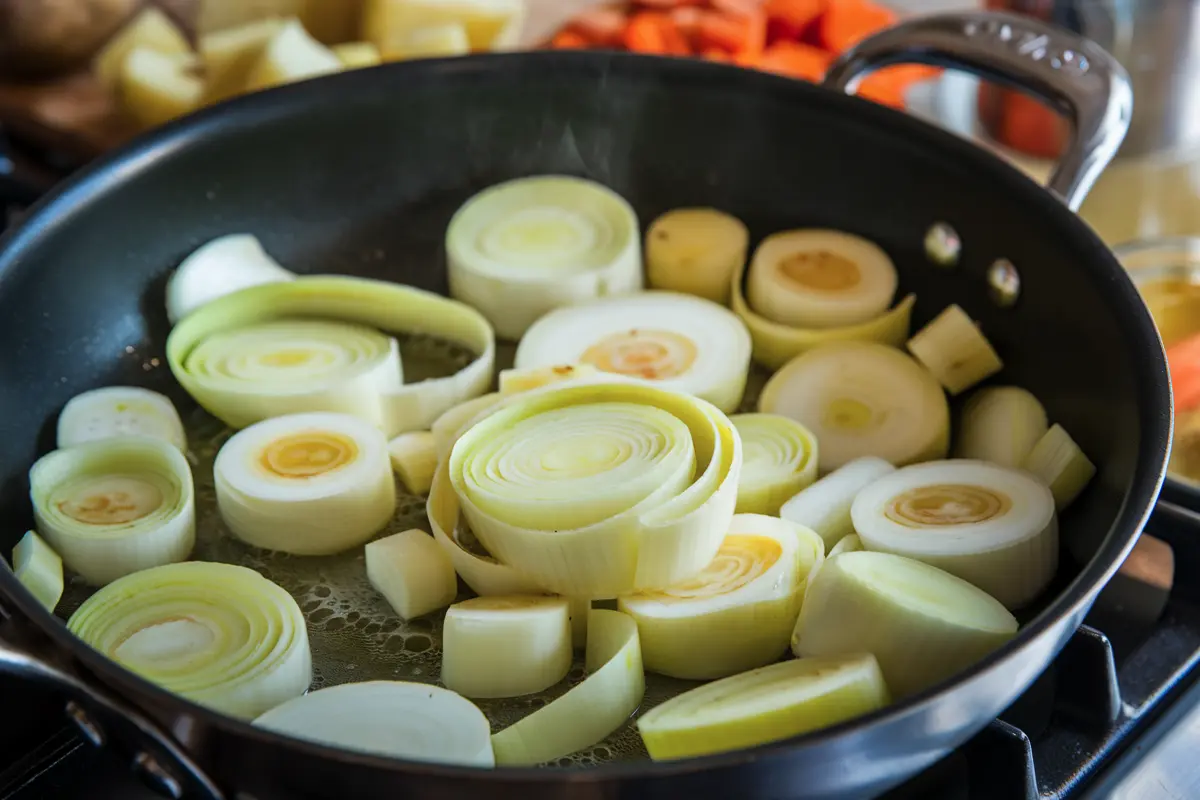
<point x="1074" y="74"/>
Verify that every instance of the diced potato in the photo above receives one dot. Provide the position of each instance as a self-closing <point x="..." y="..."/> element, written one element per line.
<point x="222" y="15"/>
<point x="230" y="55"/>
<point x="357" y="54"/>
<point x="151" y="29"/>
<point x="430" y="41"/>
<point x="291" y="55"/>
<point x="489" y="24"/>
<point x="332" y="21"/>
<point x="158" y="87"/>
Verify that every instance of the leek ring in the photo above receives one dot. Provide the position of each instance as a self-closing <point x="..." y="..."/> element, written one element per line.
<point x="779" y="459"/>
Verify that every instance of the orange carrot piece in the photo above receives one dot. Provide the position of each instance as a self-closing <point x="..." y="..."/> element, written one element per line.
<point x="794" y="60"/>
<point x="736" y="8"/>
<point x="666" y="5"/>
<point x="1183" y="358"/>
<point x="603" y="25"/>
<point x="654" y="32"/>
<point x="845" y="23"/>
<point x="794" y="15"/>
<point x="722" y="31"/>
<point x="686" y="19"/>
<point x="717" y="54"/>
<point x="570" y="40"/>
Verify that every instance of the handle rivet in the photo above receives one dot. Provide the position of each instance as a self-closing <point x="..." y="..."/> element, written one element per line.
<point x="155" y="775"/>
<point x="1004" y="282"/>
<point x="90" y="731"/>
<point x="942" y="245"/>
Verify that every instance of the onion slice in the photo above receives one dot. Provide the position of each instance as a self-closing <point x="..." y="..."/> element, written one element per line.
<point x="862" y="399"/>
<point x="987" y="524"/>
<point x="923" y="625"/>
<point x="1000" y="424"/>
<point x="598" y="489"/>
<point x="587" y="713"/>
<point x="413" y="574"/>
<point x="779" y="459"/>
<point x="219" y="635"/>
<point x="676" y="341"/>
<point x="527" y="246"/>
<point x="119" y="411"/>
<point x="39" y="569"/>
<point x="222" y="266"/>
<point x="115" y="506"/>
<point x="413" y="721"/>
<point x="307" y="484"/>
<point x="825" y="506"/>
<point x="764" y="705"/>
<point x="738" y="613"/>
<point x="1061" y="465"/>
<point x="287" y="376"/>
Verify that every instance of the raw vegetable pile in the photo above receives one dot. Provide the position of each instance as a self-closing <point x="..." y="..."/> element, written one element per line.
<point x="808" y="562"/>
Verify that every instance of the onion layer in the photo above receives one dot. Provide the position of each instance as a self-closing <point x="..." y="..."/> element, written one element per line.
<point x="413" y="574"/>
<point x="596" y="490"/>
<point x="848" y="544"/>
<point x="674" y="340"/>
<point x="299" y="376"/>
<point x="524" y="379"/>
<point x="765" y="705"/>
<point x="1000" y="424"/>
<point x="987" y="524"/>
<point x="413" y="721"/>
<point x="115" y="506"/>
<point x="1061" y="465"/>
<point x="308" y="484"/>
<point x="448" y="426"/>
<point x="779" y="459"/>
<point x="825" y="506"/>
<point x="222" y="636"/>
<point x="590" y="711"/>
<point x="738" y="613"/>
<point x="119" y="411"/>
<point x="861" y="399"/>
<point x="39" y="569"/>
<point x="923" y="625"/>
<point x="530" y="245"/>
<point x="222" y="266"/>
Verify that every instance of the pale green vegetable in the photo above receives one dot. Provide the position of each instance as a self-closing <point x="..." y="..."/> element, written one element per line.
<point x="448" y="426"/>
<point x="1000" y="424"/>
<point x="825" y="505"/>
<point x="738" y="613"/>
<point x="923" y="625"/>
<point x="115" y="506"/>
<point x="527" y="246"/>
<point x="336" y="367"/>
<point x="220" y="635"/>
<point x="412" y="572"/>
<point x="848" y="544"/>
<point x="1061" y="465"/>
<point x="119" y="411"/>
<point x="779" y="459"/>
<point x="764" y="705"/>
<point x="590" y="711"/>
<point x="599" y="489"/>
<point x="414" y="458"/>
<point x="220" y="267"/>
<point x="524" y="379"/>
<point x="955" y="351"/>
<point x="412" y="721"/>
<point x="39" y="569"/>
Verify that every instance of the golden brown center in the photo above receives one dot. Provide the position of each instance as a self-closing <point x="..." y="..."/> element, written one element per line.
<point x="741" y="559"/>
<point x="643" y="353"/>
<point x="947" y="504"/>
<point x="114" y="500"/>
<point x="821" y="270"/>
<point x="305" y="455"/>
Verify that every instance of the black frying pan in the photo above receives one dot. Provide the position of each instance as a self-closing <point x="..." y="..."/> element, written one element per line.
<point x="331" y="173"/>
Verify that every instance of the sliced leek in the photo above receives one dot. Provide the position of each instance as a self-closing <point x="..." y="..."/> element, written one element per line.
<point x="696" y="251"/>
<point x="596" y="490"/>
<point x="414" y="458"/>
<point x="765" y="705"/>
<point x="515" y="381"/>
<point x="447" y="427"/>
<point x="923" y="625"/>
<point x="287" y="375"/>
<point x="825" y="506"/>
<point x="990" y="525"/>
<point x="862" y="399"/>
<point x="119" y="411"/>
<point x="580" y="607"/>
<point x="590" y="711"/>
<point x="848" y="544"/>
<point x="413" y="574"/>
<point x="527" y="246"/>
<point x="1061" y="465"/>
<point x="220" y="267"/>
<point x="115" y="506"/>
<point x="954" y="349"/>
<point x="738" y="613"/>
<point x="1000" y="424"/>
<point x="39" y="569"/>
<point x="411" y="721"/>
<point x="779" y="459"/>
<point x="675" y="340"/>
<point x="220" y="635"/>
<point x="506" y="646"/>
<point x="308" y="484"/>
<point x="820" y="279"/>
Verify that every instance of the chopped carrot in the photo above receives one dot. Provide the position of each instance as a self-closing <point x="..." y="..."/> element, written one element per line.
<point x="717" y="54"/>
<point x="794" y="60"/>
<point x="890" y="85"/>
<point x="570" y="40"/>
<point x="687" y="20"/>
<point x="847" y="22"/>
<point x="1183" y="358"/>
<point x="664" y="5"/>
<point x="789" y="18"/>
<point x="603" y="25"/>
<point x="737" y="8"/>
<point x="654" y="32"/>
<point x="1029" y="126"/>
<point x="722" y="31"/>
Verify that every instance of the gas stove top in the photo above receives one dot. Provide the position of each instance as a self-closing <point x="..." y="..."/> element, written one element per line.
<point x="1116" y="715"/>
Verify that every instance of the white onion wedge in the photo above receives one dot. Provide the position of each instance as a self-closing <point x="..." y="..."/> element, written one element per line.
<point x="219" y="635"/>
<point x="506" y="646"/>
<point x="39" y="569"/>
<point x="814" y="278"/>
<point x="739" y="612"/>
<point x="414" y="458"/>
<point x="825" y="506"/>
<point x="411" y="721"/>
<point x="527" y="246"/>
<point x="307" y="484"/>
<point x="765" y="705"/>
<point x="598" y="489"/>
<point x="1061" y="465"/>
<point x="220" y="267"/>
<point x="611" y="692"/>
<point x="990" y="525"/>
<point x="1000" y="424"/>
<point x="953" y="348"/>
<point x="119" y="411"/>
<point x="115" y="506"/>
<point x="413" y="574"/>
<point x="862" y="399"/>
<point x="779" y="458"/>
<point x="677" y="341"/>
